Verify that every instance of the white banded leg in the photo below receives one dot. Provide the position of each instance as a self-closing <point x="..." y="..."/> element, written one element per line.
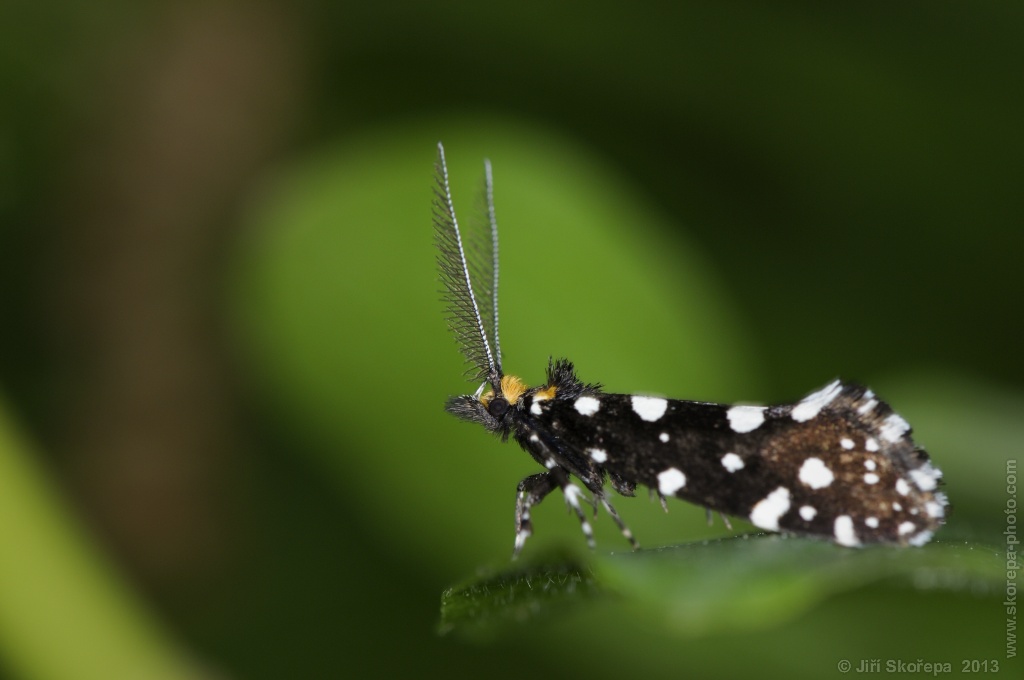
<point x="618" y="521"/>
<point x="530" y="491"/>
<point x="573" y="494"/>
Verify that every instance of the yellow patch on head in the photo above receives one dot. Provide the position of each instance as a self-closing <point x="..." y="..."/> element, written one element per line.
<point x="512" y="388"/>
<point x="546" y="393"/>
<point x="486" y="397"/>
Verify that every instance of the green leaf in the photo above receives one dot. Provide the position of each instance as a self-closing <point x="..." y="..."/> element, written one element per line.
<point x="760" y="581"/>
<point x="484" y="606"/>
<point x="738" y="583"/>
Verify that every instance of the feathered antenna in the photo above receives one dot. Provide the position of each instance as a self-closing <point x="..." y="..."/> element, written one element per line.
<point x="456" y="262"/>
<point x="493" y="222"/>
<point x="482" y="257"/>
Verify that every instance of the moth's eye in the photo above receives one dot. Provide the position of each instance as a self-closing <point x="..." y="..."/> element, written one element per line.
<point x="497" y="407"/>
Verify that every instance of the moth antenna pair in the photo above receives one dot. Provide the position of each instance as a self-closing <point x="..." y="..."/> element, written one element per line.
<point x="472" y="313"/>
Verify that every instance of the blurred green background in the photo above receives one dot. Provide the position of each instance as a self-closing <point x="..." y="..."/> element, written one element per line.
<point x="223" y="360"/>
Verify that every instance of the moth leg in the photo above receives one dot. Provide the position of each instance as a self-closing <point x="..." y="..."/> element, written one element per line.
<point x="725" y="519"/>
<point x="573" y="494"/>
<point x="530" y="491"/>
<point x="618" y="521"/>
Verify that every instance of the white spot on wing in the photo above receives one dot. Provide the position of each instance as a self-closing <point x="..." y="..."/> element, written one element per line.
<point x="902" y="488"/>
<point x="808" y="512"/>
<point x="732" y="462"/>
<point x="770" y="509"/>
<point x="599" y="455"/>
<point x="846" y="443"/>
<point x="663" y="437"/>
<point x="670" y="481"/>
<point x="815" y="474"/>
<point x="871" y="522"/>
<point x="893" y="428"/>
<point x="907" y="528"/>
<point x="745" y="418"/>
<point x="867" y="406"/>
<point x="649" y="408"/>
<point x="535" y="408"/>
<point x="587" y="406"/>
<point x="870" y="478"/>
<point x="921" y="538"/>
<point x="871" y="444"/>
<point x="870" y="464"/>
<point x="925" y="477"/>
<point x="843" y="530"/>
<point x="812" y="404"/>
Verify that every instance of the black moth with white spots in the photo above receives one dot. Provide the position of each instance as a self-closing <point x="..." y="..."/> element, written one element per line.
<point x="838" y="464"/>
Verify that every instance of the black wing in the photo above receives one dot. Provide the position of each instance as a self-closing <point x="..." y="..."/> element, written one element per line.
<point x="840" y="463"/>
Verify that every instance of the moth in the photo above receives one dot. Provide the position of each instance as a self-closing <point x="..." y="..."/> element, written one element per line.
<point x="838" y="464"/>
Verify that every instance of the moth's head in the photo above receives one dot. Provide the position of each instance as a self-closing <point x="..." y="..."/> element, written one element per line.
<point x="494" y="408"/>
